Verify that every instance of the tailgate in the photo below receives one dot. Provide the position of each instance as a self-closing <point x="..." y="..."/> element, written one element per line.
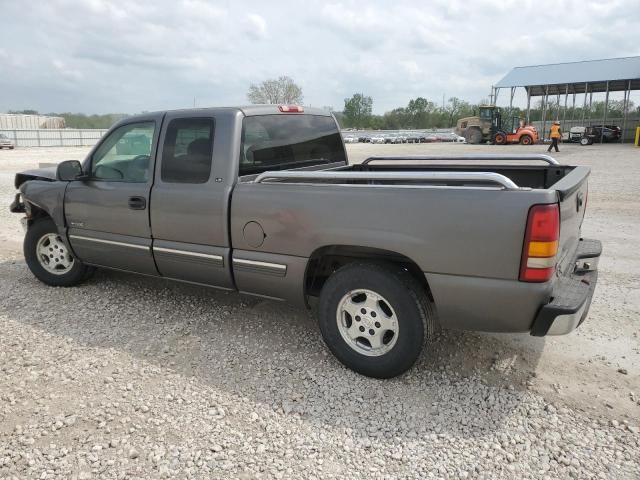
<point x="572" y="194"/>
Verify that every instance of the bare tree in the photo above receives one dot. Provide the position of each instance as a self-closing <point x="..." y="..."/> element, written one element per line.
<point x="276" y="90"/>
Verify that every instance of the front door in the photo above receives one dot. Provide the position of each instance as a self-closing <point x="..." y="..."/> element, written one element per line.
<point x="108" y="214"/>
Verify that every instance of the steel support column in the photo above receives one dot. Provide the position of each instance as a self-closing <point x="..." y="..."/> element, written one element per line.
<point x="625" y="108"/>
<point x="606" y="108"/>
<point x="584" y="104"/>
<point x="528" y="105"/>
<point x="544" y="110"/>
<point x="564" y="114"/>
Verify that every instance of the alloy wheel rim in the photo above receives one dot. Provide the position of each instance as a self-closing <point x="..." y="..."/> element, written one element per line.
<point x="367" y="322"/>
<point x="53" y="254"/>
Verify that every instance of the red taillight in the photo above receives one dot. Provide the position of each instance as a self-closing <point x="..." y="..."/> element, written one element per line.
<point x="291" y="108"/>
<point x="540" y="243"/>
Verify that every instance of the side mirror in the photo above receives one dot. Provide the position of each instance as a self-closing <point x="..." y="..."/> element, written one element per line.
<point x="69" y="170"/>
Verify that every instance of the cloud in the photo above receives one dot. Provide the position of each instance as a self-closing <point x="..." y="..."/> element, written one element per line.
<point x="119" y="55"/>
<point x="256" y="26"/>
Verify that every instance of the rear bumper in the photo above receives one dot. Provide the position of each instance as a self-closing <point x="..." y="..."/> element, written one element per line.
<point x="571" y="296"/>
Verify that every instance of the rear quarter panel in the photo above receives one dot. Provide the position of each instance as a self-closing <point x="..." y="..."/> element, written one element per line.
<point x="466" y="233"/>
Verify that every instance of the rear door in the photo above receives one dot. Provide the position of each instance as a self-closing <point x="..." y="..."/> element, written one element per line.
<point x="188" y="205"/>
<point x="108" y="214"/>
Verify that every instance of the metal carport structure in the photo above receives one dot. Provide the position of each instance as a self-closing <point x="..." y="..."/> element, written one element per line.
<point x="586" y="77"/>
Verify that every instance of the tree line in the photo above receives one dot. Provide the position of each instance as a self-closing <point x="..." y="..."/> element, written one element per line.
<point x="421" y="113"/>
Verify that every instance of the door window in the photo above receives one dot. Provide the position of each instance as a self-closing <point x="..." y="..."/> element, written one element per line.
<point x="124" y="155"/>
<point x="187" y="151"/>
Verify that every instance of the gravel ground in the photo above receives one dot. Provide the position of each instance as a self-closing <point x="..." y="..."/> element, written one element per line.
<point x="129" y="377"/>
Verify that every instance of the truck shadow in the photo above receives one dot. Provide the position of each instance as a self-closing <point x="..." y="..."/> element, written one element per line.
<point x="273" y="355"/>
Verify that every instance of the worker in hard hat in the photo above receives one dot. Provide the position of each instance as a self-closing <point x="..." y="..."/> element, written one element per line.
<point x="555" y="133"/>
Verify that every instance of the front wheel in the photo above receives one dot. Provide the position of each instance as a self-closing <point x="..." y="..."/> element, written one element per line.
<point x="48" y="257"/>
<point x="374" y="318"/>
<point x="500" y="139"/>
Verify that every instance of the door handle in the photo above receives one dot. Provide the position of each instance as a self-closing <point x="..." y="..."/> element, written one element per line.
<point x="137" y="203"/>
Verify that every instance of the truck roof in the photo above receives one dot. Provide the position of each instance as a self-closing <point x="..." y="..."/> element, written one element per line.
<point x="247" y="110"/>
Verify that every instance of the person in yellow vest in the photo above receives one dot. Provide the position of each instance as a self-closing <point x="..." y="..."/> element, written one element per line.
<point x="555" y="133"/>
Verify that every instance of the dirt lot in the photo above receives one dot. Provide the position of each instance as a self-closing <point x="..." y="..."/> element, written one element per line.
<point x="128" y="377"/>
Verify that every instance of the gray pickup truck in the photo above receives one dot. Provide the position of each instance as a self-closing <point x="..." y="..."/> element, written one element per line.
<point x="262" y="200"/>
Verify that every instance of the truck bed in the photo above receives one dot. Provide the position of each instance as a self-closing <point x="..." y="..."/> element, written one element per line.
<point x="462" y="224"/>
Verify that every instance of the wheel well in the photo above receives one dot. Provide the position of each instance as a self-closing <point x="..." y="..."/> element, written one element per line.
<point x="35" y="212"/>
<point x="326" y="260"/>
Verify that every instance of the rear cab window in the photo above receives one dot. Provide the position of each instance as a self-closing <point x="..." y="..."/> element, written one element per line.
<point x="283" y="142"/>
<point x="187" y="150"/>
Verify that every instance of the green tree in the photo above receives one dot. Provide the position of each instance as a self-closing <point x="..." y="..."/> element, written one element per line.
<point x="420" y="112"/>
<point x="276" y="90"/>
<point x="357" y="111"/>
<point x="456" y="109"/>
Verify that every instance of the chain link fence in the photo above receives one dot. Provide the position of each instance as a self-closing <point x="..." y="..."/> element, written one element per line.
<point x="67" y="137"/>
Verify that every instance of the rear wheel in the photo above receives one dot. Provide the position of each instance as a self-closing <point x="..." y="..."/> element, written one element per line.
<point x="48" y="257"/>
<point x="526" y="140"/>
<point x="374" y="318"/>
<point x="474" y="136"/>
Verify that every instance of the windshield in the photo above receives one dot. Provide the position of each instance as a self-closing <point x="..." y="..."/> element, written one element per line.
<point x="281" y="142"/>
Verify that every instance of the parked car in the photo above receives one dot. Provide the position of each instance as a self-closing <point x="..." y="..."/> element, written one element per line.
<point x="304" y="226"/>
<point x="350" y="139"/>
<point x="609" y="133"/>
<point x="413" y="138"/>
<point x="582" y="135"/>
<point x="377" y="139"/>
<point x="364" y="139"/>
<point x="6" y="142"/>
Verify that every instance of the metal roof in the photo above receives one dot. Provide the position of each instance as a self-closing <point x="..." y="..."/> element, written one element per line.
<point x="578" y="77"/>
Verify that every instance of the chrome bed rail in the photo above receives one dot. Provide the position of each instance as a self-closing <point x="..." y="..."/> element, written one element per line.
<point x="529" y="156"/>
<point x="423" y="177"/>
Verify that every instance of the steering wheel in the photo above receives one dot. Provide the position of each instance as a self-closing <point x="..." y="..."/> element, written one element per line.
<point x="140" y="161"/>
<point x="104" y="172"/>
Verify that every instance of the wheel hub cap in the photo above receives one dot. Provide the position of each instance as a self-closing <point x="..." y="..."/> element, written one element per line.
<point x="53" y="254"/>
<point x="367" y="322"/>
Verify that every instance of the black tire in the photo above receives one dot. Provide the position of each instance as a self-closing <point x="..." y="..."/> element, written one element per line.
<point x="584" y="141"/>
<point x="474" y="136"/>
<point x="76" y="274"/>
<point x="500" y="139"/>
<point x="406" y="297"/>
<point x="526" y="140"/>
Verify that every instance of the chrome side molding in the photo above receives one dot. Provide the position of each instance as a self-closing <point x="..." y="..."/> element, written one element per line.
<point x="109" y="242"/>
<point x="255" y="266"/>
<point x="188" y="253"/>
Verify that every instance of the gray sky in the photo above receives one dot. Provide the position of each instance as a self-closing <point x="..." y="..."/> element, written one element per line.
<point x="98" y="56"/>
